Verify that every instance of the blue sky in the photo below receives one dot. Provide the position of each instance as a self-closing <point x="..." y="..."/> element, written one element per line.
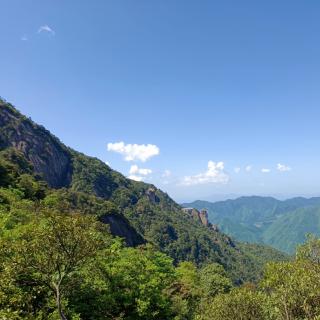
<point x="229" y="84"/>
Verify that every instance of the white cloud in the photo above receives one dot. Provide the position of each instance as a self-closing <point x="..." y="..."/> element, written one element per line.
<point x="135" y="178"/>
<point x="46" y="28"/>
<point x="145" y="172"/>
<point x="136" y="170"/>
<point x="166" y="177"/>
<point x="237" y="170"/>
<point x="248" y="168"/>
<point x="265" y="170"/>
<point x="214" y="174"/>
<point x="138" y="174"/>
<point x="166" y="174"/>
<point x="24" y="38"/>
<point x="283" y="168"/>
<point x="133" y="152"/>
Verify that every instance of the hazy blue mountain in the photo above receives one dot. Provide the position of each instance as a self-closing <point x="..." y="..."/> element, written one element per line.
<point x="281" y="224"/>
<point x="290" y="229"/>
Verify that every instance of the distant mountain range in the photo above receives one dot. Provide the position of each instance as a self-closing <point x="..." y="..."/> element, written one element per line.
<point x="280" y="224"/>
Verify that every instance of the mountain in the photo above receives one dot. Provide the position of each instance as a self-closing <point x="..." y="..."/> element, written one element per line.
<point x="137" y="211"/>
<point x="291" y="228"/>
<point x="281" y="224"/>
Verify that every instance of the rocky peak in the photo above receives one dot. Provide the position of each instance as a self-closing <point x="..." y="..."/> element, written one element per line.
<point x="151" y="193"/>
<point x="203" y="216"/>
<point x="49" y="157"/>
<point x="200" y="216"/>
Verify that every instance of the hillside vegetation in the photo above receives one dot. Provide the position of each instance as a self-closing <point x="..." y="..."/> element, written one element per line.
<point x="140" y="212"/>
<point x="80" y="241"/>
<point x="57" y="261"/>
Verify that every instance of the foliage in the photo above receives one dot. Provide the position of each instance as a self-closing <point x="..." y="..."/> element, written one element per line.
<point x="213" y="280"/>
<point x="294" y="289"/>
<point x="89" y="186"/>
<point x="289" y="291"/>
<point x="57" y="261"/>
<point x="240" y="303"/>
<point x="128" y="284"/>
<point x="42" y="255"/>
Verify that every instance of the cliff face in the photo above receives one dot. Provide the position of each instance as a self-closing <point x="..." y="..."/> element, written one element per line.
<point x="120" y="227"/>
<point x="199" y="216"/>
<point x="203" y="216"/>
<point x="48" y="156"/>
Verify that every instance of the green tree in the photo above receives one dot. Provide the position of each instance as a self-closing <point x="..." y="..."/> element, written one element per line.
<point x="214" y="280"/>
<point x="130" y="284"/>
<point x="31" y="188"/>
<point x="310" y="250"/>
<point x="240" y="303"/>
<point x="294" y="286"/>
<point x="47" y="252"/>
<point x="185" y="291"/>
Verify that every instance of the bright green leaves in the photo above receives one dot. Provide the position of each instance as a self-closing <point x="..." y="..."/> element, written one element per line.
<point x="40" y="257"/>
<point x="243" y="304"/>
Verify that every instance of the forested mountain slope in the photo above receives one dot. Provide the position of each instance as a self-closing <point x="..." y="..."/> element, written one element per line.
<point x="281" y="224"/>
<point x="135" y="210"/>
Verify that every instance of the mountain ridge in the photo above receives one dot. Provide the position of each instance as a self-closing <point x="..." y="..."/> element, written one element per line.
<point x="255" y="219"/>
<point x="141" y="207"/>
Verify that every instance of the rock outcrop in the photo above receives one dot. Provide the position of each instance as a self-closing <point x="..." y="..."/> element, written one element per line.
<point x="119" y="226"/>
<point x="48" y="156"/>
<point x="201" y="217"/>
<point x="151" y="193"/>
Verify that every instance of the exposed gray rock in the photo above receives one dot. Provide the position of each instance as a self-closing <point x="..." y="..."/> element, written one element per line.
<point x="119" y="226"/>
<point x="151" y="193"/>
<point x="203" y="216"/>
<point x="48" y="156"/>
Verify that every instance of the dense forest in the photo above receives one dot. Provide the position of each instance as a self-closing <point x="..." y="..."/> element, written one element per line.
<point x="80" y="241"/>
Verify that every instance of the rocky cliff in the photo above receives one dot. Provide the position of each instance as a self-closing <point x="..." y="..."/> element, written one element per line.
<point x="49" y="157"/>
<point x="120" y="227"/>
<point x="200" y="216"/>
